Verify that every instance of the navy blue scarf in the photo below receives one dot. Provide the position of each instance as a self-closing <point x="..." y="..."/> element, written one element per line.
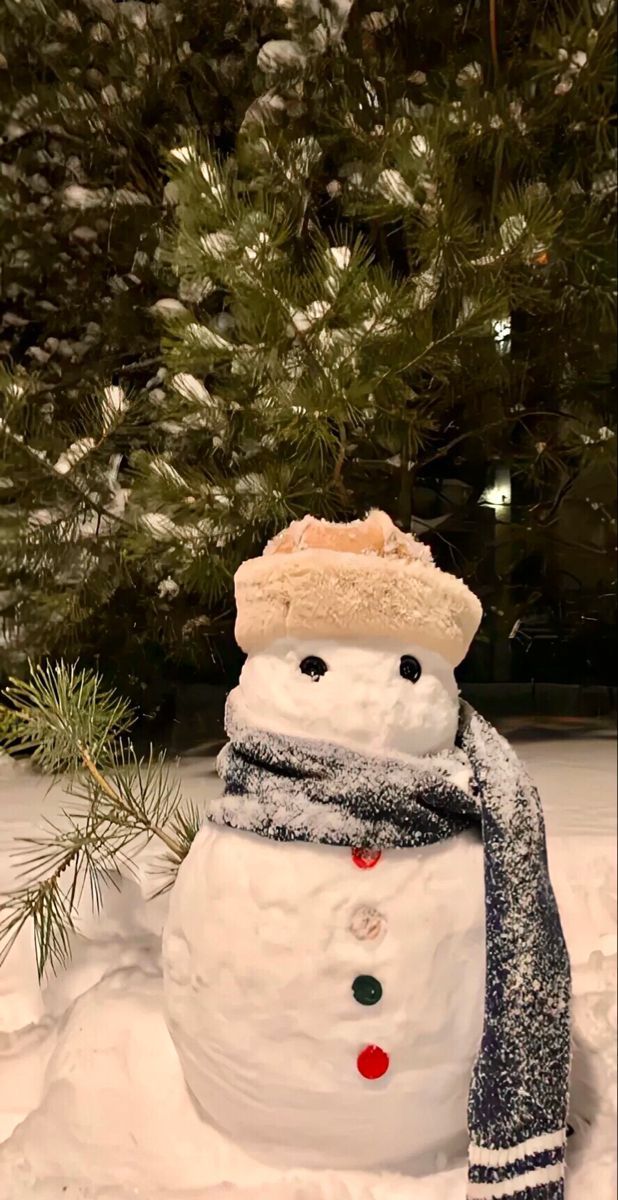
<point x="295" y="789"/>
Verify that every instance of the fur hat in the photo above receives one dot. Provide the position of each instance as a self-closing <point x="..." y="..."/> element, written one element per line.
<point x="365" y="579"/>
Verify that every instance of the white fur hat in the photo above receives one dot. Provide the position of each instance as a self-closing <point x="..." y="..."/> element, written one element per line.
<point x="365" y="579"/>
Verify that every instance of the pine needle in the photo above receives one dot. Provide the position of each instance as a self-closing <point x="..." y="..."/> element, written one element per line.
<point x="72" y="728"/>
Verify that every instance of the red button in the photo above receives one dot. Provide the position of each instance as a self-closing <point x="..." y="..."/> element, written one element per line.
<point x="372" y="1062"/>
<point x="366" y="858"/>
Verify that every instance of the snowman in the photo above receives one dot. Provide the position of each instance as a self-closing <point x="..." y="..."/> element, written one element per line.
<point x="325" y="958"/>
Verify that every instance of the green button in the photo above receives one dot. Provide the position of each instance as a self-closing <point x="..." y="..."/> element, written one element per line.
<point x="366" y="989"/>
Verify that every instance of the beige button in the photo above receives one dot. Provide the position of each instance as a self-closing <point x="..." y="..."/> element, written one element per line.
<point x="367" y="924"/>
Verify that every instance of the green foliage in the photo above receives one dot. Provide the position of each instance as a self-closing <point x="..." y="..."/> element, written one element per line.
<point x="72" y="727"/>
<point x="58" y="713"/>
<point x="299" y="258"/>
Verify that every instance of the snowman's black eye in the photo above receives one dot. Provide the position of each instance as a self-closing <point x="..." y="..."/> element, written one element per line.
<point x="410" y="668"/>
<point x="314" y="667"/>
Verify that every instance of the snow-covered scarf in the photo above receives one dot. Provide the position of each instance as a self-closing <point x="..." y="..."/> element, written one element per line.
<point x="294" y="789"/>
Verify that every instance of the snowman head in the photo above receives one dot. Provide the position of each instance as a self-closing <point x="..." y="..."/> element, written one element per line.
<point x="390" y="697"/>
<point x="352" y="635"/>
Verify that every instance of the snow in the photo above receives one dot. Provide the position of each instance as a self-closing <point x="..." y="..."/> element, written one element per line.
<point x="92" y="1100"/>
<point x="259" y="963"/>
<point x="361" y="701"/>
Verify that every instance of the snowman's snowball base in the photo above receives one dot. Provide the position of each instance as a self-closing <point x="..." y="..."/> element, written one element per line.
<point x="261" y="950"/>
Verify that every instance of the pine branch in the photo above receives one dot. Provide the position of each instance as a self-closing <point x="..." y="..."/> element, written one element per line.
<point x="72" y="727"/>
<point x="127" y="810"/>
<point x="68" y="481"/>
<point x="493" y="36"/>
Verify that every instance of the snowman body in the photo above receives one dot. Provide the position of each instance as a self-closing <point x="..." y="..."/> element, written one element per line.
<point x="327" y="1004"/>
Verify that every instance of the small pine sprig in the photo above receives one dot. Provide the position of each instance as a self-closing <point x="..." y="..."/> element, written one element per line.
<point x="75" y="729"/>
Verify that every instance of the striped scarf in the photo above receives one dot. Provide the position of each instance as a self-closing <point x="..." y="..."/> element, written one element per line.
<point x="294" y="789"/>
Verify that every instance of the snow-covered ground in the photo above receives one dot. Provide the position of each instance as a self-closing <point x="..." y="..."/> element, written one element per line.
<point x="92" y="1102"/>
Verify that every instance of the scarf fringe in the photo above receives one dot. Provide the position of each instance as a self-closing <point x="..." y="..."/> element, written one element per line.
<point x="532" y="1170"/>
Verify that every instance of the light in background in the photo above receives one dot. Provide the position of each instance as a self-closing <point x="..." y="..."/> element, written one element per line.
<point x="498" y="493"/>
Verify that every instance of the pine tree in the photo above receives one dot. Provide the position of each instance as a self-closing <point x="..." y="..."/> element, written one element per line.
<point x="92" y="92"/>
<point x="367" y="260"/>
